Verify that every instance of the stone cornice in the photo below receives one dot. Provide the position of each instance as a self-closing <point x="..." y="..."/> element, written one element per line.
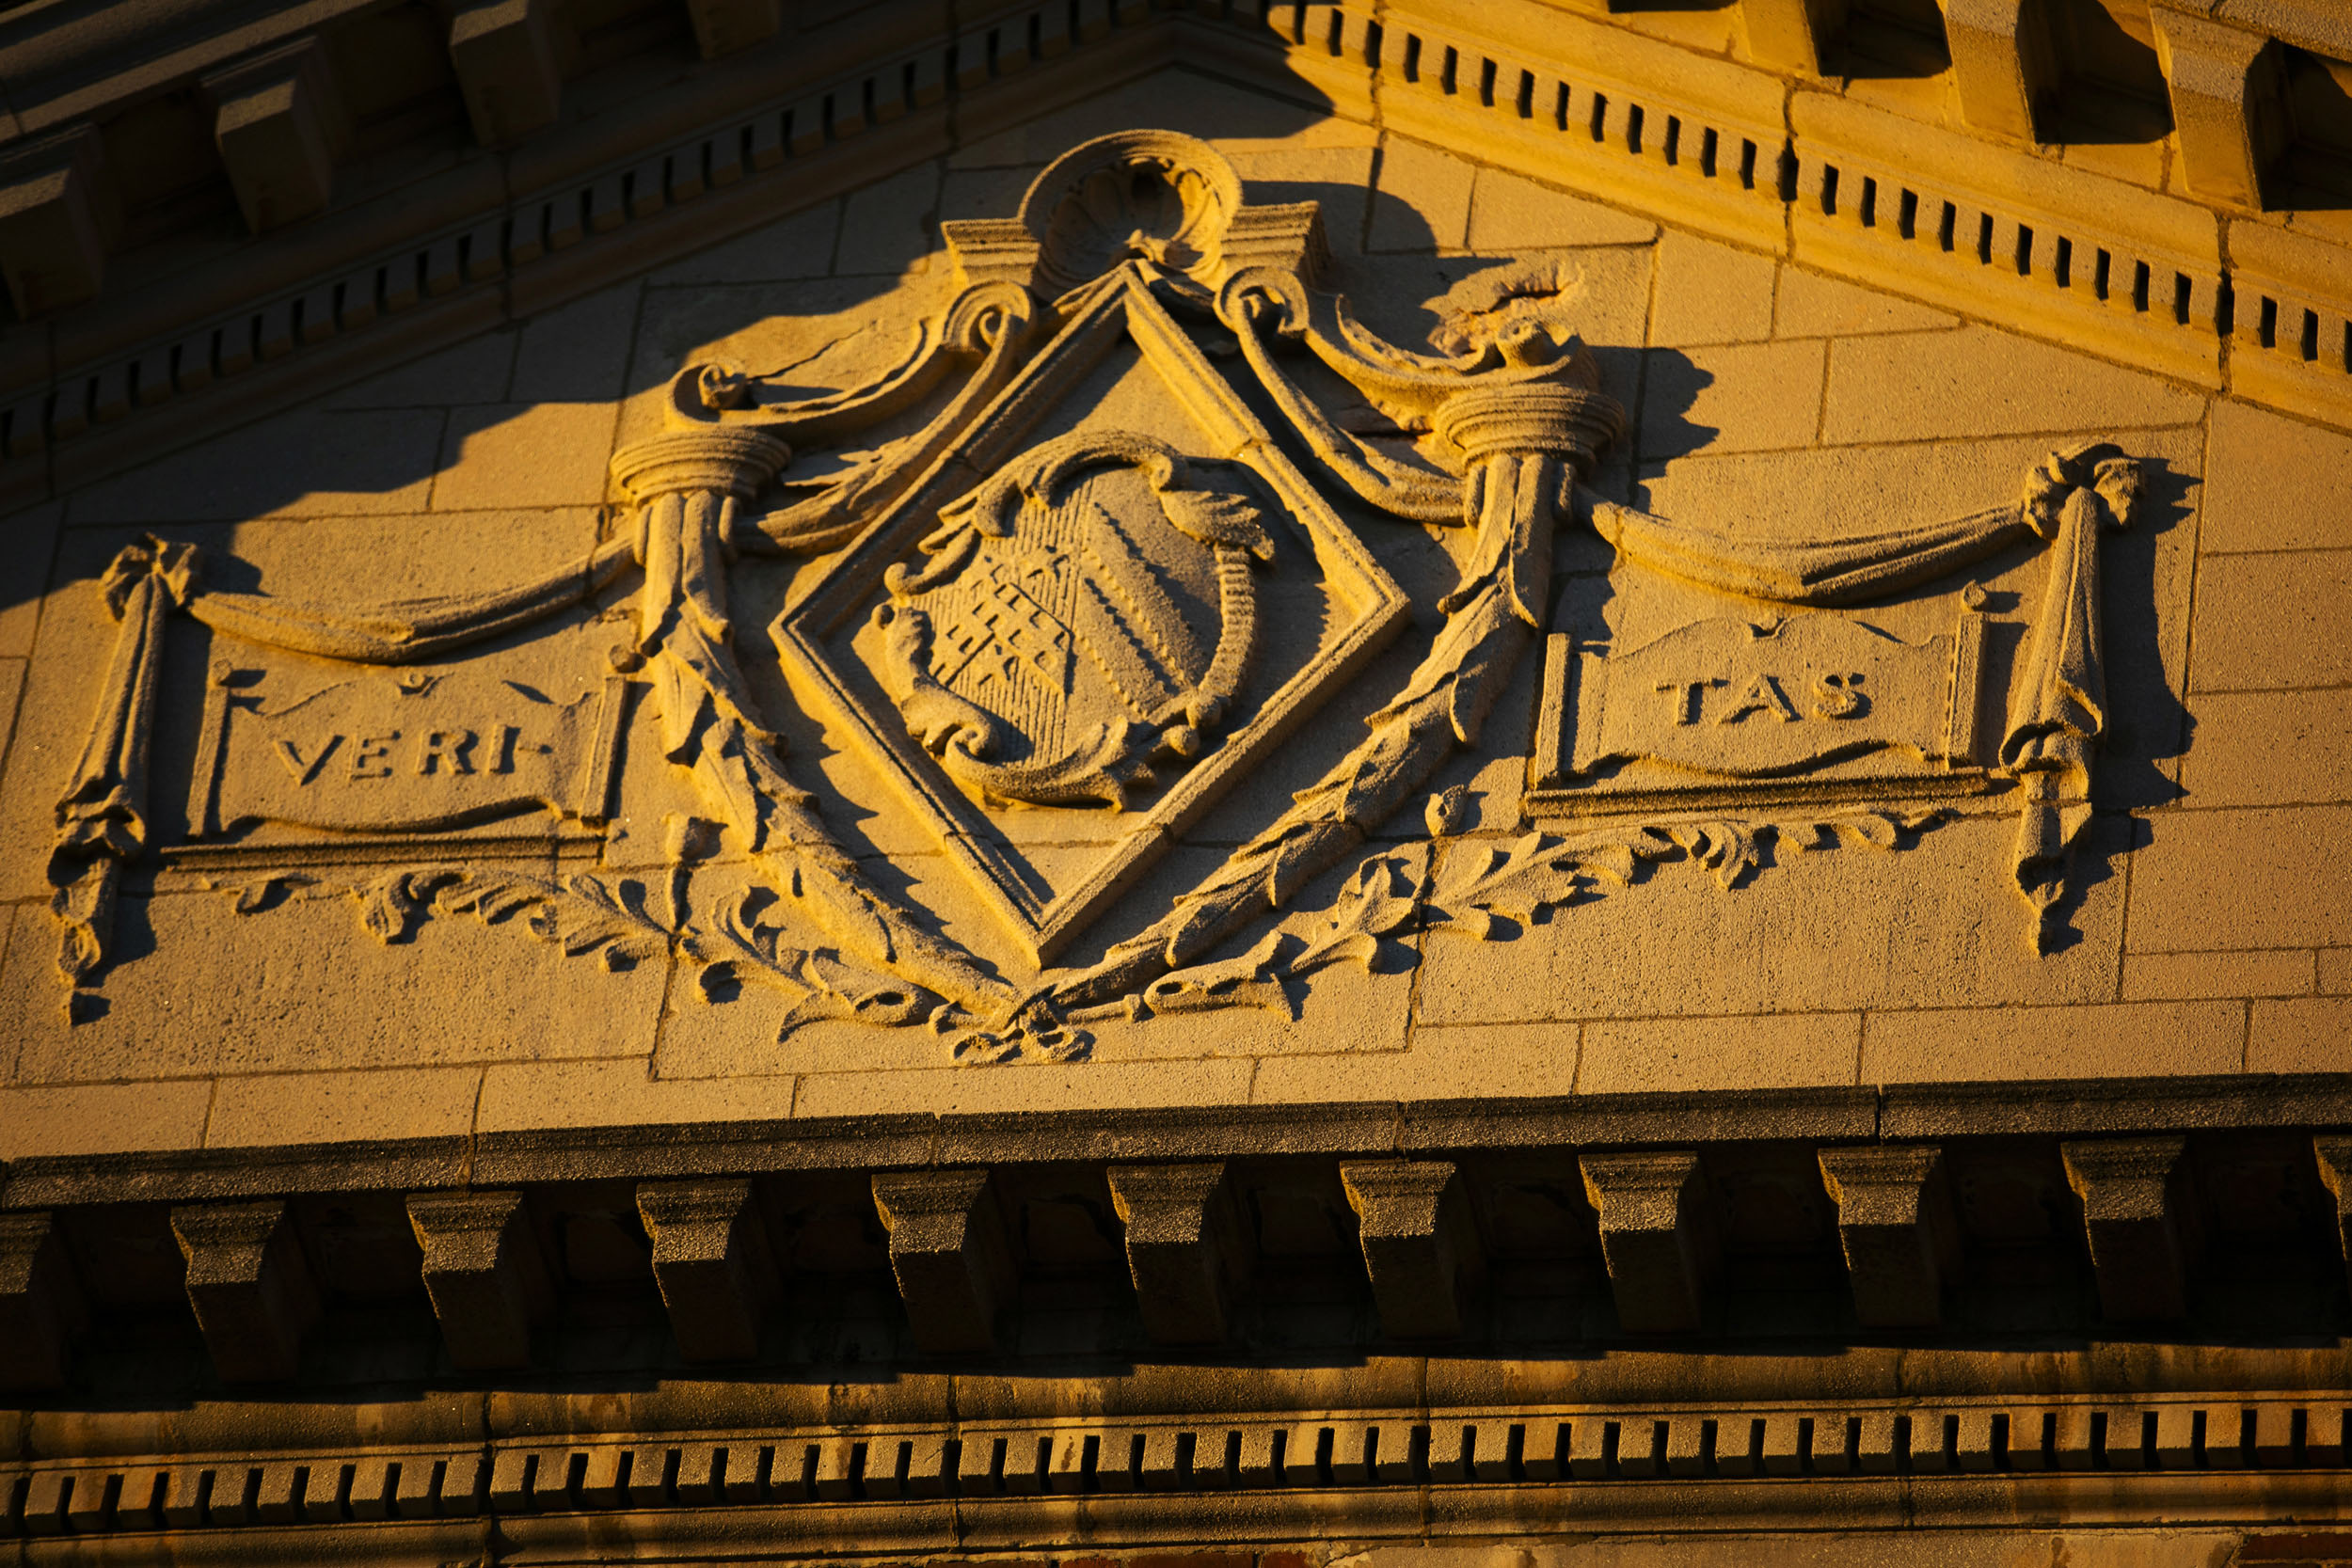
<point x="2156" y="1194"/>
<point x="1425" y="1469"/>
<point x="2254" y="304"/>
<point x="906" y="1141"/>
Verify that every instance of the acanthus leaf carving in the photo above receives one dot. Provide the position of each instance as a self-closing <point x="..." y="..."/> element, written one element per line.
<point x="1489" y="892"/>
<point x="579" y="914"/>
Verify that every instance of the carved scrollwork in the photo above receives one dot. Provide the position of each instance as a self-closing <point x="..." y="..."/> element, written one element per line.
<point x="986" y="509"/>
<point x="1507" y="327"/>
<point x="983" y="328"/>
<point x="1146" y="195"/>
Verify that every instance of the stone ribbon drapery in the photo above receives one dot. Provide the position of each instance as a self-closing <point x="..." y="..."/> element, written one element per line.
<point x="1827" y="572"/>
<point x="2057" y="708"/>
<point x="102" y="819"/>
<point x="2058" y="705"/>
<point x="403" y="633"/>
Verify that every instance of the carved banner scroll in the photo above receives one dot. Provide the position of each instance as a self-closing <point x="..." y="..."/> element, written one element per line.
<point x="1821" y="705"/>
<point x="1731" y="699"/>
<point x="407" y="751"/>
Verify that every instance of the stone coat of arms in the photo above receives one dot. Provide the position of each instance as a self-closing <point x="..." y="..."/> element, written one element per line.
<point x="1096" y="544"/>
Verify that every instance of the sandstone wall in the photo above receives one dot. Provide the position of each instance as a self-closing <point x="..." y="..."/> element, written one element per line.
<point x="2204" y="932"/>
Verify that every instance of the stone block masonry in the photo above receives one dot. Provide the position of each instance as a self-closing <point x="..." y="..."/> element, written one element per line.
<point x="1167" y="786"/>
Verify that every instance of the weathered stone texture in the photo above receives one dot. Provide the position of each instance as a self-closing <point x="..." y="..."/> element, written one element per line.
<point x="2272" y="622"/>
<point x="103" y="1118"/>
<point x="1767" y="399"/>
<point x="1508" y="213"/>
<point x="1783" y="1051"/>
<point x="2266" y="472"/>
<point x="2236" y="878"/>
<point x="857" y="1061"/>
<point x="2088" y="1041"/>
<point x="1982" y="382"/>
<point x="1709" y="293"/>
<point x="1741" y="397"/>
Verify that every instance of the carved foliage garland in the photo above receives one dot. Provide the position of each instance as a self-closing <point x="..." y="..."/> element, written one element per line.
<point x="1488" y="893"/>
<point x="1489" y="435"/>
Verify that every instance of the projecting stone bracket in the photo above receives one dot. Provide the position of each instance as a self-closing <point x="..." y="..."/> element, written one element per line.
<point x="485" y="1274"/>
<point x="58" y="214"/>
<point x="2003" y="64"/>
<point x="504" y="53"/>
<point x="724" y="26"/>
<point x="2140" y="1223"/>
<point x="1183" y="1248"/>
<point x="1656" y="1237"/>
<point x="948" y="1250"/>
<point x="712" y="1260"/>
<point x="250" y="1285"/>
<point x="2229" y="100"/>
<point x="1419" y="1246"/>
<point x="1901" y="1237"/>
<point x="42" y="1305"/>
<point x="280" y="126"/>
<point x="1798" y="35"/>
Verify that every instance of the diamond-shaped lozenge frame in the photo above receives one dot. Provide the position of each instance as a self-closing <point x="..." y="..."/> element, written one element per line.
<point x="1124" y="311"/>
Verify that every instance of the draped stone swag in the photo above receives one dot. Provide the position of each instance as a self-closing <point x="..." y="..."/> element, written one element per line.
<point x="2058" y="705"/>
<point x="1513" y="414"/>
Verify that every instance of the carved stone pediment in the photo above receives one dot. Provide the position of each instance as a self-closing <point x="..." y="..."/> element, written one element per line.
<point x="1122" y="520"/>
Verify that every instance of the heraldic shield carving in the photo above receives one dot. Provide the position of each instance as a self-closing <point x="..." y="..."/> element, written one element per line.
<point x="1100" y="542"/>
<point x="1084" y="627"/>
